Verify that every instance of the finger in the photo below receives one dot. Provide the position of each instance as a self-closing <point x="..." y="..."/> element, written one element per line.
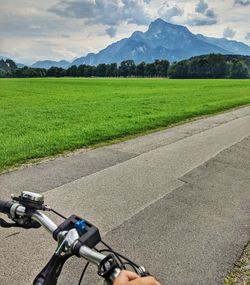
<point x="145" y="281"/>
<point x="125" y="276"/>
<point x="150" y="281"/>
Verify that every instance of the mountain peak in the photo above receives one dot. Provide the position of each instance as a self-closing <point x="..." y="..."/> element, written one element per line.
<point x="159" y="21"/>
<point x="162" y="40"/>
<point x="159" y="25"/>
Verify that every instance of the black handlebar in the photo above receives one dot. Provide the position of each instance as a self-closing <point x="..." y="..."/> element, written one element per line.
<point x="5" y="207"/>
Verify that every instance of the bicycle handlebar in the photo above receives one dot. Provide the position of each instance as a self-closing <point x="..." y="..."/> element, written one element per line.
<point x="75" y="236"/>
<point x="44" y="221"/>
<point x="15" y="210"/>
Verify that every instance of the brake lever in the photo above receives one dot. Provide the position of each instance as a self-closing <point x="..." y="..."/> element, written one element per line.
<point x="25" y="224"/>
<point x="5" y="224"/>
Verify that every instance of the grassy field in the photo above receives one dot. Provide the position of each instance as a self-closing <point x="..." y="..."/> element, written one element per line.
<point x="42" y="117"/>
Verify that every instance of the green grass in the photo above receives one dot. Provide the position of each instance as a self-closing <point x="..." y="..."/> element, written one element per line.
<point x="43" y="117"/>
<point x="240" y="274"/>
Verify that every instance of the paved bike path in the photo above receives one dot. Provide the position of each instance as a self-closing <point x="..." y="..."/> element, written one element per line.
<point x="148" y="211"/>
<point x="194" y="234"/>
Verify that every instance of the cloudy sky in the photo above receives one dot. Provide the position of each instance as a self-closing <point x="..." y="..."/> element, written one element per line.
<point x="65" y="29"/>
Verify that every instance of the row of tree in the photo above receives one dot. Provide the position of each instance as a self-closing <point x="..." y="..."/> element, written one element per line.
<point x="211" y="66"/>
<point x="127" y="68"/>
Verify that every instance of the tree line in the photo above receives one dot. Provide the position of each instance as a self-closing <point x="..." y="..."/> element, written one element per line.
<point x="209" y="66"/>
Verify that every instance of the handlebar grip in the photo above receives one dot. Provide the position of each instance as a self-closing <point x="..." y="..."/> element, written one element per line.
<point x="5" y="206"/>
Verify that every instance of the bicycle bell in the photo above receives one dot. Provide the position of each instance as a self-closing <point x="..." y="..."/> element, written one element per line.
<point x="30" y="199"/>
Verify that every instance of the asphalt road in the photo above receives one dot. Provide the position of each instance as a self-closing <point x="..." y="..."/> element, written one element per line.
<point x="177" y="201"/>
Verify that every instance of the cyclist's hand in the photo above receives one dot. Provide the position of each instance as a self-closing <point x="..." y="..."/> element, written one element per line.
<point x="130" y="278"/>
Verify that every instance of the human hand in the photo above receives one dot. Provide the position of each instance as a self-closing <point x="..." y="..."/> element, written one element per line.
<point x="130" y="278"/>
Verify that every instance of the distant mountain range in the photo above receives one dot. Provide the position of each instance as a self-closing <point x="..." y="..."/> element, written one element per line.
<point x="18" y="64"/>
<point x="233" y="47"/>
<point x="162" y="40"/>
<point x="49" y="63"/>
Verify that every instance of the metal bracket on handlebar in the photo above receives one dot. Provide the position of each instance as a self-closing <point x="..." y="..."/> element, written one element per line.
<point x="66" y="242"/>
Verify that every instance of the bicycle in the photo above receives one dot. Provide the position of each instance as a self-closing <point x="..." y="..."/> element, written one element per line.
<point x="75" y="237"/>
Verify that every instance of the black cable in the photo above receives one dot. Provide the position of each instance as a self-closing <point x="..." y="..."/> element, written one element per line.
<point x="58" y="214"/>
<point x="120" y="255"/>
<point x="106" y="245"/>
<point x="131" y="265"/>
<point x="117" y="256"/>
<point x="83" y="272"/>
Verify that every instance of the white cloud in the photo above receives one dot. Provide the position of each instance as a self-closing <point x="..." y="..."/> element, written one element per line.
<point x="111" y="31"/>
<point x="203" y="15"/>
<point x="167" y="11"/>
<point x="201" y="7"/>
<point x="247" y="37"/>
<point x="107" y="12"/>
<point x="229" y="33"/>
<point x="242" y="2"/>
